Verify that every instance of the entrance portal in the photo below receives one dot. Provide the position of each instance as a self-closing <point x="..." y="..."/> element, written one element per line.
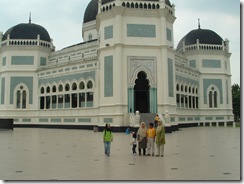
<point x="141" y="93"/>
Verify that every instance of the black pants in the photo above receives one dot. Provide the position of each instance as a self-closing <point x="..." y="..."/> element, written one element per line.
<point x="144" y="151"/>
<point x="134" y="148"/>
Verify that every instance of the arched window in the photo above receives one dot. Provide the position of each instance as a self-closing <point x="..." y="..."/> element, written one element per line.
<point x="215" y="99"/>
<point x="74" y="86"/>
<point x="24" y="95"/>
<point x="67" y="88"/>
<point x="48" y="89"/>
<point x="21" y="97"/>
<point x="210" y="96"/>
<point x="89" y="85"/>
<point x="60" y="88"/>
<point x="82" y="85"/>
<point x="177" y="87"/>
<point x="18" y="99"/>
<point x="42" y="90"/>
<point x="189" y="90"/>
<point x="54" y="89"/>
<point x="185" y="88"/>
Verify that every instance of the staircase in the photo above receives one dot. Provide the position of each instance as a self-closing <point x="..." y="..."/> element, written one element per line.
<point x="147" y="118"/>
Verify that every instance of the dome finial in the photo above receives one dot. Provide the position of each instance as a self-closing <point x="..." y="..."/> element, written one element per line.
<point x="199" y="26"/>
<point x="30" y="18"/>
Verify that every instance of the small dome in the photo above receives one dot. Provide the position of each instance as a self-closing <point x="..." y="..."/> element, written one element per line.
<point x="92" y="9"/>
<point x="204" y="36"/>
<point x="27" y="31"/>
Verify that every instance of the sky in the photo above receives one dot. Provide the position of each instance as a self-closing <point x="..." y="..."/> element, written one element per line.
<point x="63" y="20"/>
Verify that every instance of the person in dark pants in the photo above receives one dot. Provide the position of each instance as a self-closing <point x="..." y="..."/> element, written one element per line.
<point x="142" y="138"/>
<point x="133" y="143"/>
<point x="107" y="139"/>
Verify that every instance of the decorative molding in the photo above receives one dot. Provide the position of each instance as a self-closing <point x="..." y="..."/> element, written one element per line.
<point x="142" y="63"/>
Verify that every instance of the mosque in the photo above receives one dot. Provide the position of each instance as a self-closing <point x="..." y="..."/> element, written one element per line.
<point x="126" y="63"/>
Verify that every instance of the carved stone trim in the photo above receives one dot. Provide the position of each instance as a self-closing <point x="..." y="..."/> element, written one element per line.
<point x="142" y="63"/>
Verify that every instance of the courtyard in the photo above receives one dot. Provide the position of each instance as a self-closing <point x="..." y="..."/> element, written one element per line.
<point x="198" y="153"/>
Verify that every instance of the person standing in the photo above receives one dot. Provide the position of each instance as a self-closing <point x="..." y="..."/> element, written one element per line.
<point x="151" y="133"/>
<point x="160" y="139"/>
<point x="142" y="138"/>
<point x="156" y="119"/>
<point x="107" y="139"/>
<point x="127" y="131"/>
<point x="133" y="143"/>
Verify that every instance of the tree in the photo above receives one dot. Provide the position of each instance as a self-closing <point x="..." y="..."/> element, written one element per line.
<point x="236" y="101"/>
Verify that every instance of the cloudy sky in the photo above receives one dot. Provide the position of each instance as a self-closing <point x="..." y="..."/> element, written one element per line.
<point x="63" y="20"/>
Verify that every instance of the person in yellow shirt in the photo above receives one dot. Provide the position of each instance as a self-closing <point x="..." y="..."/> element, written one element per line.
<point x="151" y="133"/>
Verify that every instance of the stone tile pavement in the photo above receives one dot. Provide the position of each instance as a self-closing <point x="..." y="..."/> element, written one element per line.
<point x="198" y="153"/>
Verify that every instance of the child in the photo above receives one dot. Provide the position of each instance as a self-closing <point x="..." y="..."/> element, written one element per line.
<point x="133" y="143"/>
<point x="127" y="130"/>
<point x="107" y="139"/>
<point x="151" y="133"/>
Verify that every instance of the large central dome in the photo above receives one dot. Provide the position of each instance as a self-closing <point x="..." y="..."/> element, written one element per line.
<point x="92" y="9"/>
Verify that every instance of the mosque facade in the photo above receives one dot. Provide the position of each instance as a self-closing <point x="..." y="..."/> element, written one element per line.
<point x="126" y="63"/>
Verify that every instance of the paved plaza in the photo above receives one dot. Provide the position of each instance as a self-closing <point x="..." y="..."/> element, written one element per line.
<point x="198" y="153"/>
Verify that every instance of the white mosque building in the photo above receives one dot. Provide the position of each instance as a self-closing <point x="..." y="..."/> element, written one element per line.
<point x="127" y="62"/>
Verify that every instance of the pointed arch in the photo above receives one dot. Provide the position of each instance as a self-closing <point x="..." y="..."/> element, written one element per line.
<point x="213" y="94"/>
<point x="142" y="93"/>
<point x="21" y="96"/>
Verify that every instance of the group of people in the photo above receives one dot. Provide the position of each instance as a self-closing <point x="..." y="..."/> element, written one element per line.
<point x="145" y="138"/>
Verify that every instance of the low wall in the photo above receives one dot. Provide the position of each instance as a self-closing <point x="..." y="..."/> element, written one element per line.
<point x="7" y="124"/>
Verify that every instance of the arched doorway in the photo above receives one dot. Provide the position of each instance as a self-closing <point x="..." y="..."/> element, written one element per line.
<point x="141" y="93"/>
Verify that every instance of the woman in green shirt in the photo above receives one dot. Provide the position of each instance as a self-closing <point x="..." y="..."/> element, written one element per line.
<point x="160" y="139"/>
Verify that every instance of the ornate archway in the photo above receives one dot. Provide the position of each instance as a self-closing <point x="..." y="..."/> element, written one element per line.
<point x="142" y="93"/>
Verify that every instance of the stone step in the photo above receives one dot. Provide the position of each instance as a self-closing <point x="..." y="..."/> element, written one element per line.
<point x="147" y="118"/>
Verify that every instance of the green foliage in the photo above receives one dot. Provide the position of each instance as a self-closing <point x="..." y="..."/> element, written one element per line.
<point x="236" y="101"/>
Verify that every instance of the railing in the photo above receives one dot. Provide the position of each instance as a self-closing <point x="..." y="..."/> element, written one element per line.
<point x="203" y="47"/>
<point x="137" y="5"/>
<point x="27" y="42"/>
